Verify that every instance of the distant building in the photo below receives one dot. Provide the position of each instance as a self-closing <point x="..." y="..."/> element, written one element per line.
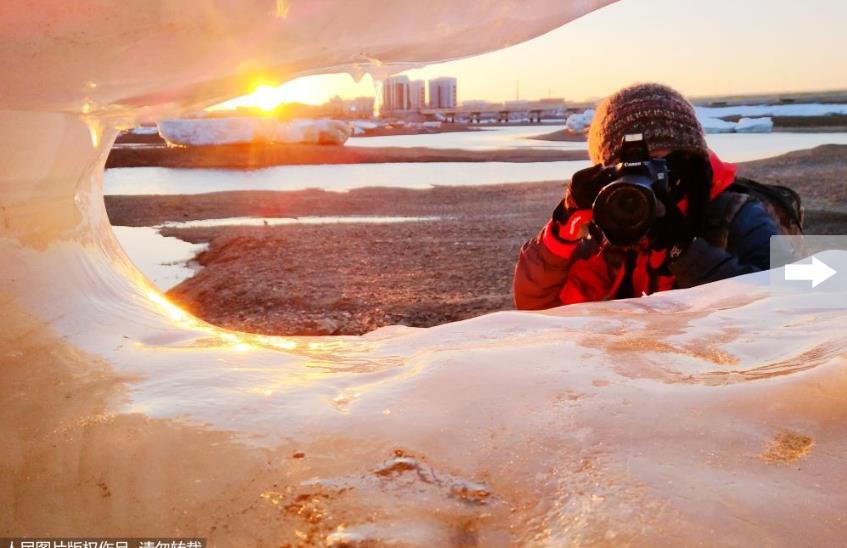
<point x="336" y="107"/>
<point x="360" y="107"/>
<point x="417" y="94"/>
<point x="395" y="94"/>
<point x="442" y="93"/>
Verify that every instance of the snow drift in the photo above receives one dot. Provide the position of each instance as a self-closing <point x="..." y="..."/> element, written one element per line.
<point x="744" y="125"/>
<point x="580" y="122"/>
<point x="692" y="414"/>
<point x="226" y="131"/>
<point x="758" y="118"/>
<point x="751" y="111"/>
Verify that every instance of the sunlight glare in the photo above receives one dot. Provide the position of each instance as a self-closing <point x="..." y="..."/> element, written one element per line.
<point x="268" y="98"/>
<point x="309" y="90"/>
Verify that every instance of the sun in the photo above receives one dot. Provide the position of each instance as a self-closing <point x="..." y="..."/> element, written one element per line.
<point x="309" y="90"/>
<point x="269" y="98"/>
<point x="266" y="98"/>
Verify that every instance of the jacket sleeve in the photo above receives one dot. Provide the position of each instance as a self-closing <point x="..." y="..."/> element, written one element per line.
<point x="748" y="250"/>
<point x="544" y="264"/>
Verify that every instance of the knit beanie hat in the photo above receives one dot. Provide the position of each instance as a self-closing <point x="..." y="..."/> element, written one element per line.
<point x="660" y="113"/>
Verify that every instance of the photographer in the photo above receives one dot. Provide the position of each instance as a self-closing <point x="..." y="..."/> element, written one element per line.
<point x="653" y="214"/>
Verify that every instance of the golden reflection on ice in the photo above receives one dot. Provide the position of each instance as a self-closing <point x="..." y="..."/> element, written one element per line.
<point x="95" y="127"/>
<point x="232" y="340"/>
<point x="316" y="357"/>
<point x="282" y="7"/>
<point x="172" y="311"/>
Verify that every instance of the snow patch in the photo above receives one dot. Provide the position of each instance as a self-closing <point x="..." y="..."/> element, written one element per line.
<point x="579" y="123"/>
<point x="754" y="125"/>
<point x="744" y="125"/>
<point x="716" y="125"/>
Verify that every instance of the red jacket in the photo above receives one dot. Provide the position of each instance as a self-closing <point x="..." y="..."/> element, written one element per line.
<point x="553" y="271"/>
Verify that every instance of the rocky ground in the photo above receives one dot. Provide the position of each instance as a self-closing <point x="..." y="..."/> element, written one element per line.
<point x="352" y="278"/>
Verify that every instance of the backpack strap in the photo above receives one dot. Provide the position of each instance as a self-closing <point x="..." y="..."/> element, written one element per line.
<point x="722" y="212"/>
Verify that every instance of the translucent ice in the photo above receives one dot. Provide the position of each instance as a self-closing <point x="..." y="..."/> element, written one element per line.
<point x="709" y="415"/>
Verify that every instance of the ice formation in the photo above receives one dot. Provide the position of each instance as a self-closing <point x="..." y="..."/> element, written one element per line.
<point x="710" y="415"/>
<point x="754" y="125"/>
<point x="358" y="127"/>
<point x="225" y="131"/>
<point x="145" y="130"/>
<point x="759" y="118"/>
<point x="579" y="123"/>
<point x="744" y="125"/>
<point x="716" y="125"/>
<point x="750" y="111"/>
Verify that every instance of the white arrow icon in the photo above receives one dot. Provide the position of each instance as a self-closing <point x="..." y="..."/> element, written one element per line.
<point x="817" y="272"/>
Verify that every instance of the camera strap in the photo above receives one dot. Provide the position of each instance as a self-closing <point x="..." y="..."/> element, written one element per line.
<point x="625" y="290"/>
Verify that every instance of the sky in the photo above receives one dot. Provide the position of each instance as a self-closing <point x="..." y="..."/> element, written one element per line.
<point x="714" y="47"/>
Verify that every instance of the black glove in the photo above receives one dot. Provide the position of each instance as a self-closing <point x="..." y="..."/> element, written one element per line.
<point x="587" y="183"/>
<point x="672" y="231"/>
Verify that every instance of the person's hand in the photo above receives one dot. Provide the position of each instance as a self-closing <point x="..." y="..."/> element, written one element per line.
<point x="575" y="227"/>
<point x="586" y="184"/>
<point x="672" y="231"/>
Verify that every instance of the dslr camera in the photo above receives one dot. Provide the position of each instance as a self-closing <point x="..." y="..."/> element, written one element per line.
<point x="626" y="208"/>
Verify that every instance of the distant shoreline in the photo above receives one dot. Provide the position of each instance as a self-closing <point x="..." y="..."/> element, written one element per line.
<point x="253" y="156"/>
<point x="150" y="150"/>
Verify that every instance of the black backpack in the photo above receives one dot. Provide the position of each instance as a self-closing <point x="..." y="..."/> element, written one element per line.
<point x="782" y="203"/>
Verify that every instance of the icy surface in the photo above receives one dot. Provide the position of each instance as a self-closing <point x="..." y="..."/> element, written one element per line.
<point x="708" y="415"/>
<point x="744" y="125"/>
<point x="145" y="130"/>
<point x="754" y="125"/>
<point x="716" y="125"/>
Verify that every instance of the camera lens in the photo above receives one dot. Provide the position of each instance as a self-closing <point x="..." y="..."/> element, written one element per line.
<point x="624" y="211"/>
<point x="628" y="205"/>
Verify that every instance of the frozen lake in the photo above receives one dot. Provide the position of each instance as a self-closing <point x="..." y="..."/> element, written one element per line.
<point x="153" y="180"/>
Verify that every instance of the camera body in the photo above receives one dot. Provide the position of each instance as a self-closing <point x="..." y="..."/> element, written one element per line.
<point x="626" y="208"/>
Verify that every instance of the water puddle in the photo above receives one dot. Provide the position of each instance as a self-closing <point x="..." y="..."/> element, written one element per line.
<point x="332" y="177"/>
<point x="163" y="259"/>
